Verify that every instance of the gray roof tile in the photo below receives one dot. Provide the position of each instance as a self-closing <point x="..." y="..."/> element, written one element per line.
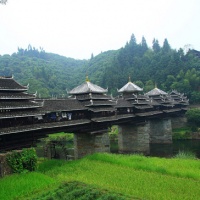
<point x="87" y="87"/>
<point x="51" y="105"/>
<point x="9" y="84"/>
<point x="130" y="87"/>
<point x="155" y="92"/>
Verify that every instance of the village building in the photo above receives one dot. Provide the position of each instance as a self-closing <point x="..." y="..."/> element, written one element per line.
<point x="131" y="101"/>
<point x="100" y="106"/>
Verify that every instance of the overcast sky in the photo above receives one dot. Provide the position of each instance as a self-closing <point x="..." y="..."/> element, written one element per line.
<point x="78" y="28"/>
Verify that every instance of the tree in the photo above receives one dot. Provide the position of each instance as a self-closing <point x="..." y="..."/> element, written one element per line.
<point x="139" y="83"/>
<point x="170" y="80"/>
<point x="193" y="116"/>
<point x="149" y="85"/>
<point x="144" y="46"/>
<point x="92" y="56"/>
<point x="132" y="46"/>
<point x="166" y="47"/>
<point x="133" y="41"/>
<point x="156" y="46"/>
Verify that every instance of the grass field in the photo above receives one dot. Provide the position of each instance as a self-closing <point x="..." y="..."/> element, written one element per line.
<point x="134" y="176"/>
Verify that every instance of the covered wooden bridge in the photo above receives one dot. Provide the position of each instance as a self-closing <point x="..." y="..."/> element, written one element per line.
<point x="88" y="112"/>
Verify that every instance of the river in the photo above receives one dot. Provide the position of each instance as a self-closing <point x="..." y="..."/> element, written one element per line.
<point x="169" y="150"/>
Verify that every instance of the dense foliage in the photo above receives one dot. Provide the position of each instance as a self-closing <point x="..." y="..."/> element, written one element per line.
<point x="20" y="161"/>
<point x="51" y="75"/>
<point x="48" y="74"/>
<point x="193" y="116"/>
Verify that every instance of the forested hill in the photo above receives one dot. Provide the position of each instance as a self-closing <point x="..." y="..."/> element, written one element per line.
<point x="48" y="74"/>
<point x="52" y="75"/>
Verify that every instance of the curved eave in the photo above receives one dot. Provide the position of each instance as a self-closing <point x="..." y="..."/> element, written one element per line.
<point x="129" y="91"/>
<point x="124" y="106"/>
<point x="125" y="116"/>
<point x="104" y="119"/>
<point x="86" y="92"/>
<point x="150" y="113"/>
<point x="18" y="116"/>
<point x="13" y="89"/>
<point x="63" y="110"/>
<point x="13" y="108"/>
<point x="43" y="126"/>
<point x="17" y="98"/>
<point x="96" y="105"/>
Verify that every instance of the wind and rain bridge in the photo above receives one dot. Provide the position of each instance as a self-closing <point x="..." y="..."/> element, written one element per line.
<point x="88" y="112"/>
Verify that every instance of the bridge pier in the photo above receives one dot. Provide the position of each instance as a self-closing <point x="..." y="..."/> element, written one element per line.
<point x="179" y="121"/>
<point x="87" y="143"/>
<point x="134" y="138"/>
<point x="160" y="131"/>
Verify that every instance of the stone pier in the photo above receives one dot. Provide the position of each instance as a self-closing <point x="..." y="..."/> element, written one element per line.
<point x="134" y="138"/>
<point x="160" y="131"/>
<point x="87" y="143"/>
<point x="179" y="122"/>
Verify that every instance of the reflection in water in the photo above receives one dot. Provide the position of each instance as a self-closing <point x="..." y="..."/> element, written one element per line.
<point x="168" y="150"/>
<point x="177" y="145"/>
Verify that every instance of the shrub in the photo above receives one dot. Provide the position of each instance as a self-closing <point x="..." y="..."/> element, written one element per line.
<point x="182" y="133"/>
<point x="113" y="133"/>
<point x="79" y="190"/>
<point x="185" y="155"/>
<point x="20" y="161"/>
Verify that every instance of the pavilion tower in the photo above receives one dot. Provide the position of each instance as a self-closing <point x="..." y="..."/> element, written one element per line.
<point x="101" y="112"/>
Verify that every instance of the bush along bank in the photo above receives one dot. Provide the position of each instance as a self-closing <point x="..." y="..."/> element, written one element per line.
<point x="18" y="161"/>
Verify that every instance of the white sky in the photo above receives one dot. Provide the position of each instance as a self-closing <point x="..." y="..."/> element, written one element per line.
<point x="78" y="28"/>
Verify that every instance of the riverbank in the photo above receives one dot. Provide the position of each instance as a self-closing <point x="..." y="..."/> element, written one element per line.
<point x="127" y="176"/>
<point x="186" y="133"/>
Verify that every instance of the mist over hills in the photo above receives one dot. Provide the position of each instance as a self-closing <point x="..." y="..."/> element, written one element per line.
<point x="51" y="75"/>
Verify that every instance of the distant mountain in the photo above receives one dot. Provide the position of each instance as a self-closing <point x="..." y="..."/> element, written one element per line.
<point x="51" y="74"/>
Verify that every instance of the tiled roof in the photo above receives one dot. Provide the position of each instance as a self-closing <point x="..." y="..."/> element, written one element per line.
<point x="155" y="92"/>
<point x="16" y="95"/>
<point x="172" y="110"/>
<point x="140" y="102"/>
<point x="130" y="87"/>
<point x="122" y="103"/>
<point x="62" y="105"/>
<point x="143" y="114"/>
<point x="174" y="92"/>
<point x="41" y="126"/>
<point x="17" y="104"/>
<point x="92" y="96"/>
<point x="104" y="119"/>
<point x="87" y="87"/>
<point x="29" y="113"/>
<point x="98" y="103"/>
<point x="143" y="106"/>
<point x="134" y="96"/>
<point x="9" y="84"/>
<point x="125" y="116"/>
<point x="101" y="109"/>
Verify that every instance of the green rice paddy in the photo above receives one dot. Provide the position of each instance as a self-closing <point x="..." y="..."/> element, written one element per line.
<point x="132" y="176"/>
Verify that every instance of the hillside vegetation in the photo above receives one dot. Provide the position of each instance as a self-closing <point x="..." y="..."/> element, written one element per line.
<point x="51" y="74"/>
